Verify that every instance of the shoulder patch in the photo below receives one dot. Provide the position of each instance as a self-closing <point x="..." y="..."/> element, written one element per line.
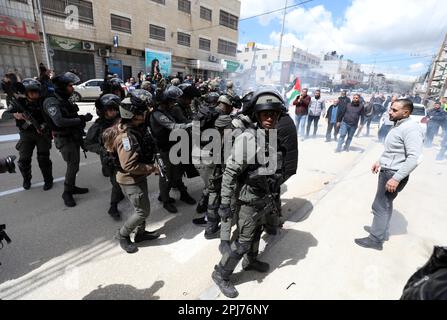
<point x="126" y="144"/>
<point x="52" y="111"/>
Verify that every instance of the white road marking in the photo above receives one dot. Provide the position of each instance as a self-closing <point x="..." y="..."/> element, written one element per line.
<point x="9" y="137"/>
<point x="40" y="184"/>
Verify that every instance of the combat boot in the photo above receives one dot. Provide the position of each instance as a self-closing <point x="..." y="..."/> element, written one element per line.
<point x="225" y="286"/>
<point x="27" y="184"/>
<point x="48" y="186"/>
<point x="200" y="221"/>
<point x="186" y="198"/>
<point x="255" y="265"/>
<point x="170" y="200"/>
<point x="68" y="199"/>
<point x="146" y="236"/>
<point x="170" y="207"/>
<point x="202" y="207"/>
<point x="212" y="233"/>
<point x="77" y="190"/>
<point x="127" y="244"/>
<point x="114" y="212"/>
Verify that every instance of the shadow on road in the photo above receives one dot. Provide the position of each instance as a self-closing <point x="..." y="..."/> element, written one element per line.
<point x="296" y="209"/>
<point x="398" y="224"/>
<point x="294" y="246"/>
<point x="124" y="292"/>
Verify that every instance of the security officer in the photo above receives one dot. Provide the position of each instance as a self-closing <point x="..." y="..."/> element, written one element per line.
<point x="27" y="111"/>
<point x="254" y="197"/>
<point x="162" y="123"/>
<point x="108" y="110"/>
<point x="136" y="164"/>
<point x="230" y="88"/>
<point x="113" y="86"/>
<point x="214" y="174"/>
<point x="68" y="130"/>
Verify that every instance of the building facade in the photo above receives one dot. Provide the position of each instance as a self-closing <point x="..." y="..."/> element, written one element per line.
<point x="19" y="38"/>
<point x="342" y="72"/>
<point x="198" y="35"/>
<point x="272" y="69"/>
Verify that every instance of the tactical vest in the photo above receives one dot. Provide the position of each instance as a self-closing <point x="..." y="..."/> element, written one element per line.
<point x="161" y="134"/>
<point x="68" y="110"/>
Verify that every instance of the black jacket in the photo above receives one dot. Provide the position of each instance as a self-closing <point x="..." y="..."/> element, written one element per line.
<point x="288" y="142"/>
<point x="339" y="113"/>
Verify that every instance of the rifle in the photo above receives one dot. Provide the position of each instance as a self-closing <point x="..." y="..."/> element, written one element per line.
<point x="160" y="163"/>
<point x="15" y="104"/>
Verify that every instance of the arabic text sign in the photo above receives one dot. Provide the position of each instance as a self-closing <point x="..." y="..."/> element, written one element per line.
<point x="18" y="28"/>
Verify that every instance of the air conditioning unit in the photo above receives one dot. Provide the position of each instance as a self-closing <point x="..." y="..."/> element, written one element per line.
<point x="212" y="59"/>
<point x="89" y="46"/>
<point x="105" y="53"/>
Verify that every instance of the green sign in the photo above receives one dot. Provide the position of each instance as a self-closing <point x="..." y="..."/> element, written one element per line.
<point x="65" y="43"/>
<point x="230" y="66"/>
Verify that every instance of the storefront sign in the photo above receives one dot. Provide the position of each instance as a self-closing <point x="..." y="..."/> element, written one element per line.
<point x="65" y="43"/>
<point x="159" y="59"/>
<point x="206" y="65"/>
<point x="230" y="66"/>
<point x="18" y="28"/>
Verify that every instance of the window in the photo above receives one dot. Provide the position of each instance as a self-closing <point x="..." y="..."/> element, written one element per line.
<point x="206" y="13"/>
<point x="262" y="79"/>
<point x="183" y="39"/>
<point x="205" y="44"/>
<point x="227" y="48"/>
<point x="157" y="33"/>
<point x="92" y="84"/>
<point x="122" y="24"/>
<point x="264" y="56"/>
<point x="228" y="20"/>
<point x="263" y="68"/>
<point x="184" y="5"/>
<point x="57" y="8"/>
<point x="159" y="1"/>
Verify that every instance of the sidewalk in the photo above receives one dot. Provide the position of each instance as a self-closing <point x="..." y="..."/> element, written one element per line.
<point x="318" y="259"/>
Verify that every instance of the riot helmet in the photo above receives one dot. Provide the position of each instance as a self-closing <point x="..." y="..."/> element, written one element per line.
<point x="129" y="110"/>
<point x="31" y="85"/>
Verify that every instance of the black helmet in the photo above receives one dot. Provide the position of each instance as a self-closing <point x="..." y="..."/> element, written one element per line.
<point x="110" y="101"/>
<point x="31" y="85"/>
<point x="115" y="84"/>
<point x="128" y="110"/>
<point x="172" y="93"/>
<point x="189" y="90"/>
<point x="212" y="97"/>
<point x="141" y="98"/>
<point x="63" y="80"/>
<point x="268" y="100"/>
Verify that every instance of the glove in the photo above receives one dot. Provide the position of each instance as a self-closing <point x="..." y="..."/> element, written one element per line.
<point x="86" y="118"/>
<point x="225" y="212"/>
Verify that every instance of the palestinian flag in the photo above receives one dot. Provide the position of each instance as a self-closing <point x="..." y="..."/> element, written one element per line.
<point x="294" y="90"/>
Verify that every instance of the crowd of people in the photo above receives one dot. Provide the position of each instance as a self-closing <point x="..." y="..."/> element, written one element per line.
<point x="132" y="139"/>
<point x="346" y="118"/>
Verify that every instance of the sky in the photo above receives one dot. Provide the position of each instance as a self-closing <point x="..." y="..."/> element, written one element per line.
<point x="396" y="37"/>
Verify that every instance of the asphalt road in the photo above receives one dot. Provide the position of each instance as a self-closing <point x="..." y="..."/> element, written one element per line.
<point x="61" y="253"/>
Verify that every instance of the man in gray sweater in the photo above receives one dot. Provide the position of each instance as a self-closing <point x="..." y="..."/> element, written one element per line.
<point x="403" y="150"/>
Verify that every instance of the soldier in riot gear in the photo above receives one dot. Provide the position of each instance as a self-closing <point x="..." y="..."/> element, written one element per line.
<point x="68" y="130"/>
<point x="108" y="110"/>
<point x="254" y="193"/>
<point x="113" y="86"/>
<point x="162" y="123"/>
<point x="34" y="133"/>
<point x="136" y="161"/>
<point x="221" y="120"/>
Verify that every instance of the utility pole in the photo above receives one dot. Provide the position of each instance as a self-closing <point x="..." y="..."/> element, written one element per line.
<point x="437" y="82"/>
<point x="282" y="31"/>
<point x="44" y="34"/>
